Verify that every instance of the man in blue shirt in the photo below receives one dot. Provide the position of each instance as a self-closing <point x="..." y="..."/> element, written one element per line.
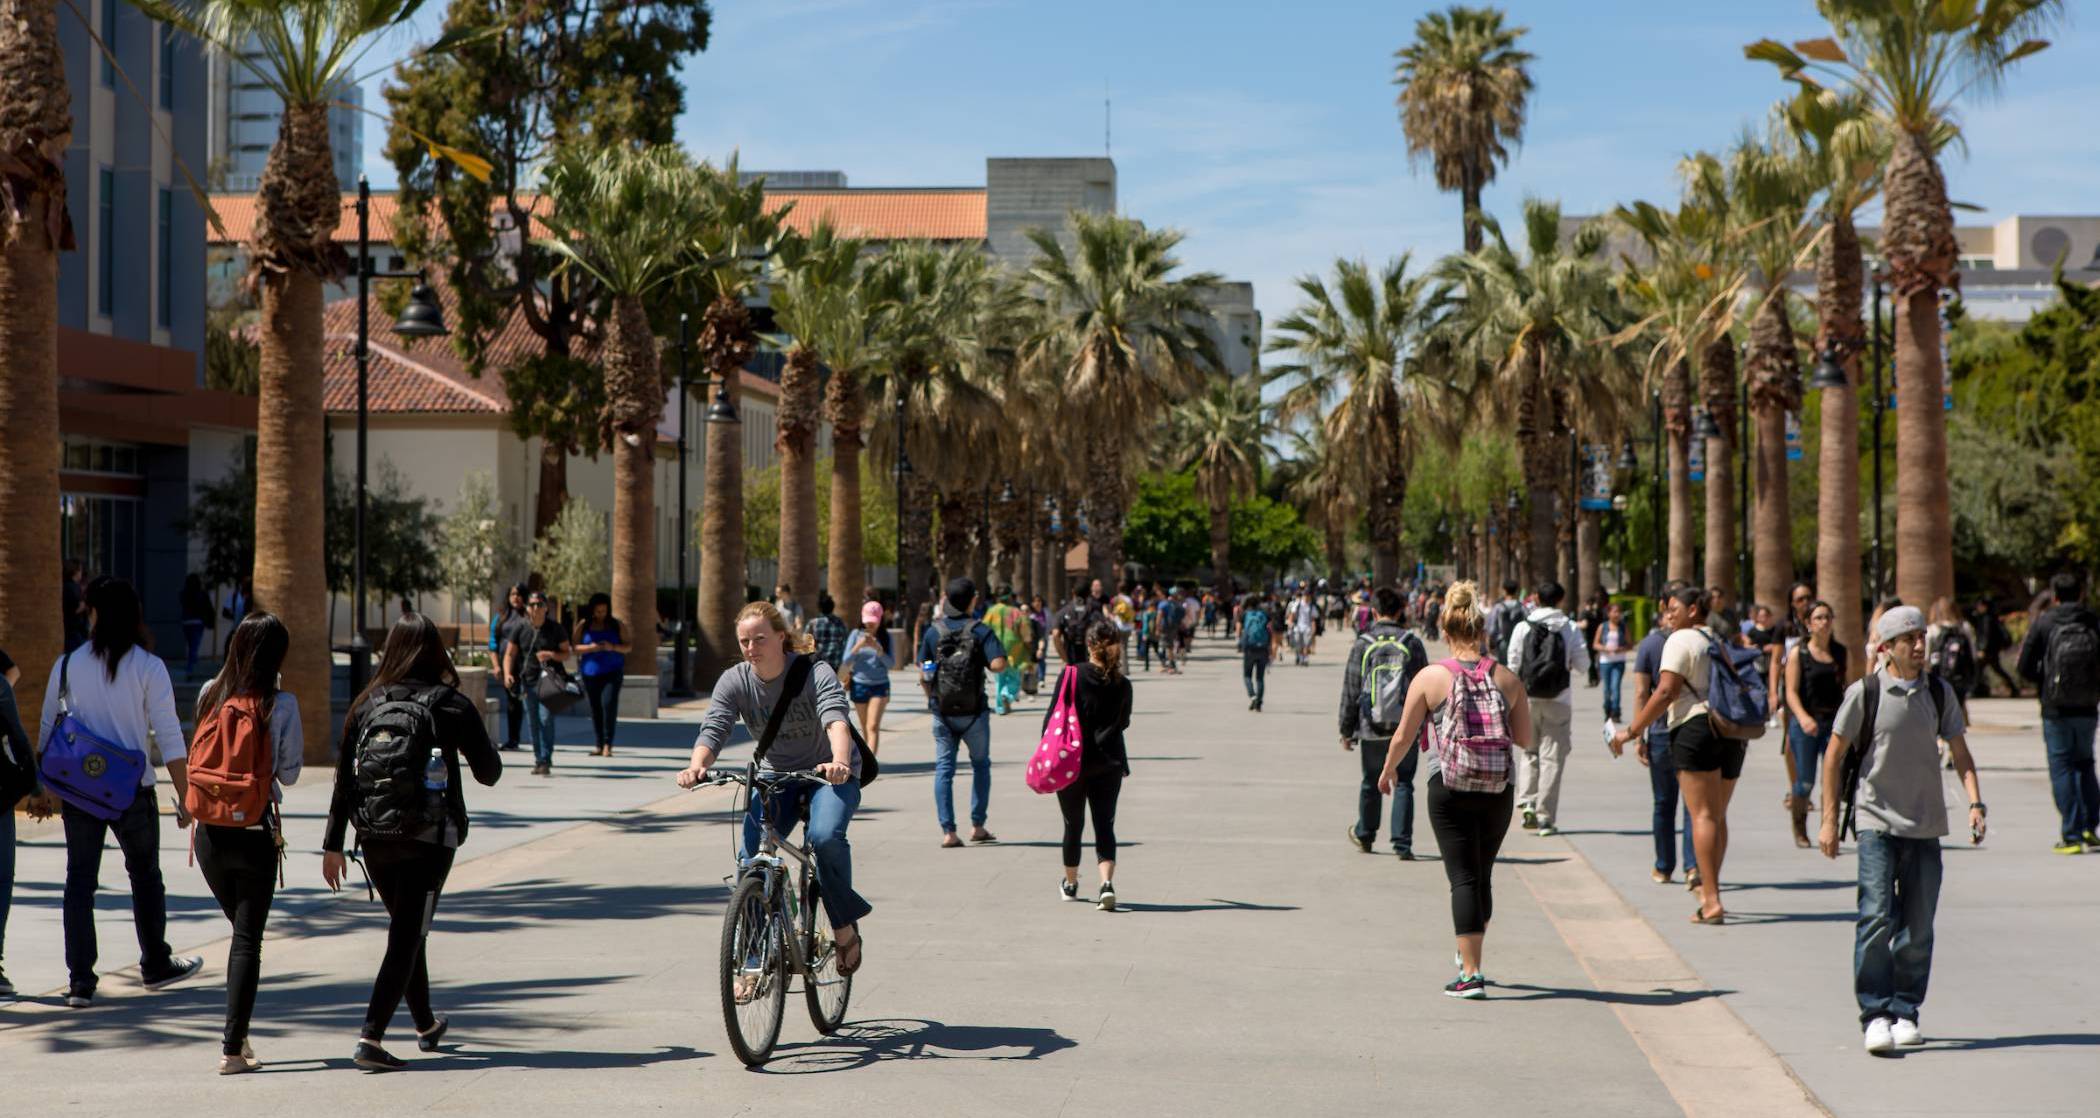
<point x="972" y="650"/>
<point x="1662" y="771"/>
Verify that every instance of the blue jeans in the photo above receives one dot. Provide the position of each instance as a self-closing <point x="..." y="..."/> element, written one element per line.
<point x="192" y="637"/>
<point x="1899" y="889"/>
<point x="542" y="722"/>
<point x="976" y="734"/>
<point x="7" y="871"/>
<point x="1808" y="754"/>
<point x="1662" y="782"/>
<point x="1613" y="675"/>
<point x="1254" y="671"/>
<point x="2069" y="742"/>
<point x="1371" y="751"/>
<point x="829" y="809"/>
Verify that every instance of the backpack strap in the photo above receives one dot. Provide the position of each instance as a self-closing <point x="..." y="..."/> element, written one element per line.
<point x="797" y="679"/>
<point x="65" y="689"/>
<point x="1870" y="708"/>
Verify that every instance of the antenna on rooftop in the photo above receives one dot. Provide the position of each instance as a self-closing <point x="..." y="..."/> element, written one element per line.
<point x="1107" y="124"/>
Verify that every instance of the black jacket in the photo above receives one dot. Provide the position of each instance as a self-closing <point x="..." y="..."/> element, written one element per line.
<point x="18" y="759"/>
<point x="460" y="733"/>
<point x="2037" y="646"/>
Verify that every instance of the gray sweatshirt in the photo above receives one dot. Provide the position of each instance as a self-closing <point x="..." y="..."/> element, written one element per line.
<point x="803" y="742"/>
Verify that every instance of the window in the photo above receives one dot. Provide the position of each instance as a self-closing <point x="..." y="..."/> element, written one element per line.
<point x="106" y="244"/>
<point x="167" y="67"/>
<point x="165" y="298"/>
<point x="109" y="43"/>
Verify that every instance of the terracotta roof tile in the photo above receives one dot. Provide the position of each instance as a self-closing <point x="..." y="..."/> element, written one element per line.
<point x="889" y="215"/>
<point x="238" y="213"/>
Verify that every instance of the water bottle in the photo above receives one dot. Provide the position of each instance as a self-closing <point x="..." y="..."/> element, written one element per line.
<point x="435" y="780"/>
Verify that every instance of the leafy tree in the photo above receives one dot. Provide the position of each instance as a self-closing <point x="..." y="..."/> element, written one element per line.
<point x="878" y="523"/>
<point x="477" y="549"/>
<point x="401" y="534"/>
<point x="1168" y="526"/>
<point x="575" y="554"/>
<point x="1219" y="435"/>
<point x="1270" y="537"/>
<point x="222" y="518"/>
<point x="558" y="72"/>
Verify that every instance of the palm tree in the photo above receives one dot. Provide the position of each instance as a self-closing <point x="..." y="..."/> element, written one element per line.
<point x="736" y="237"/>
<point x="629" y="218"/>
<point x="1353" y="341"/>
<point x="1137" y="344"/>
<point x="1909" y="61"/>
<point x="1324" y="485"/>
<point x="34" y="229"/>
<point x="1463" y="92"/>
<point x="817" y="300"/>
<point x="306" y="52"/>
<point x="1844" y="152"/>
<point x="1534" y="326"/>
<point x="1219" y="435"/>
<point x="1770" y="190"/>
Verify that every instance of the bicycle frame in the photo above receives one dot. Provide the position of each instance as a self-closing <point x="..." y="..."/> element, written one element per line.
<point x="767" y="861"/>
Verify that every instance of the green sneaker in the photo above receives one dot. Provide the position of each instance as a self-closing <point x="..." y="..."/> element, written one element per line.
<point x="2068" y="848"/>
<point x="2092" y="841"/>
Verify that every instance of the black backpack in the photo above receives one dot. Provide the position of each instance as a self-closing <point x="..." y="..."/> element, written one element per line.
<point x="1502" y="625"/>
<point x="958" y="678"/>
<point x="1857" y="752"/>
<point x="2071" y="665"/>
<point x="1955" y="660"/>
<point x="1545" y="667"/>
<point x="1072" y="625"/>
<point x="388" y="759"/>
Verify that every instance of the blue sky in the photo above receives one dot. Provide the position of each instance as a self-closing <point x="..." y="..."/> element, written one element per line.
<point x="1267" y="132"/>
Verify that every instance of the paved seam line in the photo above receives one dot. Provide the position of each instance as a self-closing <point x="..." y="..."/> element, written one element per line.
<point x="1708" y="1059"/>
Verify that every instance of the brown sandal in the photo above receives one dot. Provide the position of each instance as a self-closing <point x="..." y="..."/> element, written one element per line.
<point x="849" y="953"/>
<point x="1699" y="916"/>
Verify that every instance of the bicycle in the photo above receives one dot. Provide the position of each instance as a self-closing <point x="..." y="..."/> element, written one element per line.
<point x="770" y="933"/>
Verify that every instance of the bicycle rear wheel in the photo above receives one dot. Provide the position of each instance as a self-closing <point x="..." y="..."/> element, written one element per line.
<point x="825" y="989"/>
<point x="754" y="972"/>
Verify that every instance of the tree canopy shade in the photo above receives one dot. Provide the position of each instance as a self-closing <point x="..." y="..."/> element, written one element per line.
<point x="1464" y="87"/>
<point x="575" y="556"/>
<point x="1169" y="529"/>
<point x="476" y="548"/>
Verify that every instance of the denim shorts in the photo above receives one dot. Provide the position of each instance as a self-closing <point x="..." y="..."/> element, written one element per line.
<point x="862" y="692"/>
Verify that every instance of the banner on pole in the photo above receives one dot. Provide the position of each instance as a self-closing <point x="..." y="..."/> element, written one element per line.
<point x="1596" y="477"/>
<point x="1793" y="437"/>
<point x="1695" y="461"/>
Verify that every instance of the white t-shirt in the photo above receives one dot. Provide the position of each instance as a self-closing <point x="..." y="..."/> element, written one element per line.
<point x="1304" y="615"/>
<point x="135" y="710"/>
<point x="1687" y="653"/>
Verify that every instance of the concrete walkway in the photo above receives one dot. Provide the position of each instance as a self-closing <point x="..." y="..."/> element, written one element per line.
<point x="1259" y="965"/>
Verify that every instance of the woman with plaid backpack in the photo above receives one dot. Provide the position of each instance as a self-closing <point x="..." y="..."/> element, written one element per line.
<point x="1476" y="713"/>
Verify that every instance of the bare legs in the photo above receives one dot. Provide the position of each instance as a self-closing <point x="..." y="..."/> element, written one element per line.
<point x="1706" y="796"/>
<point x="870" y="713"/>
<point x="1469" y="952"/>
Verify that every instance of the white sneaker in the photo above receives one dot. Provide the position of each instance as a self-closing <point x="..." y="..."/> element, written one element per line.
<point x="1880" y="1040"/>
<point x="1906" y="1033"/>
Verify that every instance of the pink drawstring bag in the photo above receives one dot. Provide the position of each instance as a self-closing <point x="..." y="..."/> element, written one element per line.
<point x="1056" y="761"/>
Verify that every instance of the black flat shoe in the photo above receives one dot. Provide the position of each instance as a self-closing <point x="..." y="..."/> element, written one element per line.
<point x="428" y="1042"/>
<point x="372" y="1057"/>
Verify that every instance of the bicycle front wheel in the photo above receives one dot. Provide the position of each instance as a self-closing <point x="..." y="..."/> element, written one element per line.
<point x="826" y="990"/>
<point x="754" y="974"/>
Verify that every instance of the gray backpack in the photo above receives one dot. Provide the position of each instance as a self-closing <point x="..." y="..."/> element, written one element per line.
<point x="1386" y="670"/>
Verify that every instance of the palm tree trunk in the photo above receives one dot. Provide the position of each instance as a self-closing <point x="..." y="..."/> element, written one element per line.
<point x="1921" y="252"/>
<point x="554" y="487"/>
<point x="1838" y="299"/>
<point x="635" y="399"/>
<point x="1775" y="369"/>
<point x="725" y="345"/>
<point x="1104" y="508"/>
<point x="1589" y="556"/>
<point x="1717" y="386"/>
<point x="1220" y="543"/>
<point x="915" y="528"/>
<point x="34" y="132"/>
<point x="796" y="440"/>
<point x="1389" y="494"/>
<point x="844" y="408"/>
<point x="1469" y="196"/>
<point x="1335" y="541"/>
<point x="954" y="544"/>
<point x="294" y="251"/>
<point x="1677" y="426"/>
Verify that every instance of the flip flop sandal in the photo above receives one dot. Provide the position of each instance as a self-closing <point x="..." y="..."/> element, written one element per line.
<point x="984" y="838"/>
<point x="1699" y="917"/>
<point x="849" y="954"/>
<point x="950" y="841"/>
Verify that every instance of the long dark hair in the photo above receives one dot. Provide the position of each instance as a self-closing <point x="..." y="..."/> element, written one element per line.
<point x="1104" y="649"/>
<point x="414" y="652"/>
<point x="254" y="656"/>
<point x="599" y="599"/>
<point x="118" y="628"/>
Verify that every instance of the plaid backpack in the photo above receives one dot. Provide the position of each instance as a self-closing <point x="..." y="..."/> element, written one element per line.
<point x="1472" y="730"/>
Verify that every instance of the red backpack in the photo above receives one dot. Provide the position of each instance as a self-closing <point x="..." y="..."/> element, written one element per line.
<point x="230" y="764"/>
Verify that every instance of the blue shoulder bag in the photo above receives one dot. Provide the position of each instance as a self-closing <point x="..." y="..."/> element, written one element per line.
<point x="86" y="770"/>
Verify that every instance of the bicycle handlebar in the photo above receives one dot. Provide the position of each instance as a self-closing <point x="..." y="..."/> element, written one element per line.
<point x="718" y="777"/>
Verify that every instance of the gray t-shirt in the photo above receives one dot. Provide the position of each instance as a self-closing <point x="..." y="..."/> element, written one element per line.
<point x="803" y="742"/>
<point x="1899" y="787"/>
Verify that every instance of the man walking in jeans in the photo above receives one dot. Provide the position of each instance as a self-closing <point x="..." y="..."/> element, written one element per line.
<point x="1654" y="752"/>
<point x="1381" y="666"/>
<point x="973" y="644"/>
<point x="2062" y="654"/>
<point x="1897" y="715"/>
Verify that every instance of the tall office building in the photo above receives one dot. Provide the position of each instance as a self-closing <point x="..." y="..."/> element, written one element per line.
<point x="244" y="115"/>
<point x="137" y="427"/>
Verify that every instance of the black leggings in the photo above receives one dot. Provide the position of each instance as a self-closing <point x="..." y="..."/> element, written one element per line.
<point x="1469" y="827"/>
<point x="409" y="876"/>
<point x="1098" y="793"/>
<point x="603" y="691"/>
<point x="240" y="866"/>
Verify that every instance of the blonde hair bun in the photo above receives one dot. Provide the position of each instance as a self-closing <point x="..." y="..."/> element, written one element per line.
<point x="1462" y="618"/>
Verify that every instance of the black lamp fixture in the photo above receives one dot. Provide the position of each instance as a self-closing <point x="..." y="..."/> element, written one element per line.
<point x="1628" y="460"/>
<point x="723" y="410"/>
<point x="1703" y="425"/>
<point x="903" y="464"/>
<point x="1830" y="372"/>
<point x="423" y="317"/>
<point x="1513" y="504"/>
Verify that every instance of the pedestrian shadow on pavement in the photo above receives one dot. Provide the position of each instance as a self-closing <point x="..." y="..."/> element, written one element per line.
<point x="1656" y="997"/>
<point x="1214" y="905"/>
<point x="1842" y="916"/>
<point x="1811" y="883"/>
<point x="1521" y="860"/>
<point x="2039" y="1040"/>
<point x="1603" y="831"/>
<point x="860" y="1044"/>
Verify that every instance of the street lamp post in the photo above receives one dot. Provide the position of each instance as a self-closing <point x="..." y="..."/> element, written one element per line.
<point x="1742" y="490"/>
<point x="1655" y="498"/>
<point x="422" y="318"/>
<point x="681" y="677"/>
<point x="904" y="592"/>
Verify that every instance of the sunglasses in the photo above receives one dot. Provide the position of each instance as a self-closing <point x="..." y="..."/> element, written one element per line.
<point x="536" y="603"/>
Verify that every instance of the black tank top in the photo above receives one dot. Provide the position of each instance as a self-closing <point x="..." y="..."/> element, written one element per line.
<point x="1822" y="685"/>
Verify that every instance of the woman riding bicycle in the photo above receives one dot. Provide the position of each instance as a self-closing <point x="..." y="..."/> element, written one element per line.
<point x="814" y="734"/>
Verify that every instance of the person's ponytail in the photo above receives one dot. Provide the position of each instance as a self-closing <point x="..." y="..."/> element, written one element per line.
<point x="1462" y="620"/>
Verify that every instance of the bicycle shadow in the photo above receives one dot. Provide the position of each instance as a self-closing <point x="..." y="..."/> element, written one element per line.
<point x="860" y="1044"/>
